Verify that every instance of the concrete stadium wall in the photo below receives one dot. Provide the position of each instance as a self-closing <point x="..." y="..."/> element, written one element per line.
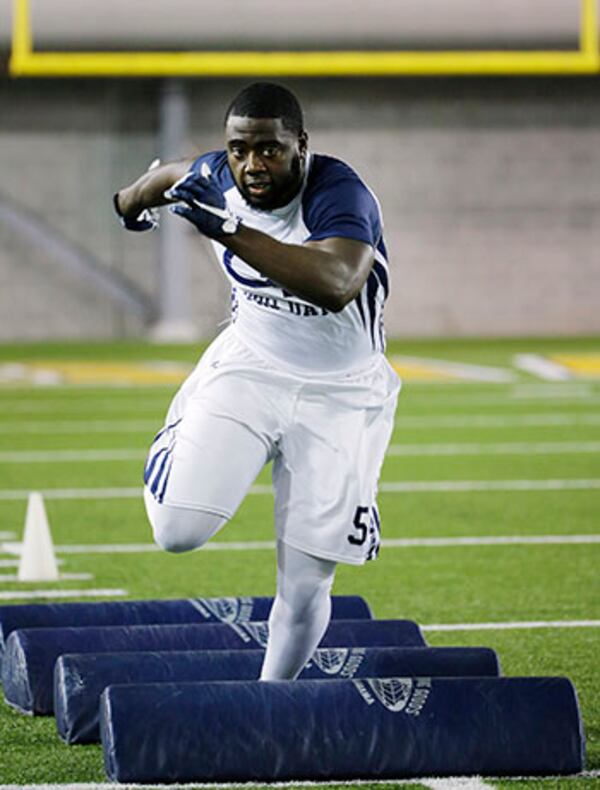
<point x="270" y="24"/>
<point x="490" y="191"/>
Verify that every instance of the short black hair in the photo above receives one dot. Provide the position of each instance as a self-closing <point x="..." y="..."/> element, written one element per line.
<point x="268" y="100"/>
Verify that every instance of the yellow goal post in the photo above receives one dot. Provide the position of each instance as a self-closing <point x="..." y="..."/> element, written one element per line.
<point x="25" y="61"/>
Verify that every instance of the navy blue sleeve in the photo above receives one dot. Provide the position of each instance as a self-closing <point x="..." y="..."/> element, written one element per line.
<point x="220" y="172"/>
<point x="337" y="203"/>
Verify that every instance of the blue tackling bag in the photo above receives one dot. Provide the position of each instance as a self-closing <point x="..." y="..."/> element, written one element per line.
<point x="376" y="728"/>
<point x="190" y="610"/>
<point x="30" y="655"/>
<point x="79" y="680"/>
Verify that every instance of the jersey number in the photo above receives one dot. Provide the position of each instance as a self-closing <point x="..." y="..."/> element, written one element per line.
<point x="361" y="525"/>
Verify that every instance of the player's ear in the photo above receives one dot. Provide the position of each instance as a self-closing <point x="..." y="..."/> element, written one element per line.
<point x="303" y="142"/>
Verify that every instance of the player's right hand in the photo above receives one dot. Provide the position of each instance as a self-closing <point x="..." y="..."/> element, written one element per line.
<point x="202" y="203"/>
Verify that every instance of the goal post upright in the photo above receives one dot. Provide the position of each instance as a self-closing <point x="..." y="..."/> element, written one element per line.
<point x="589" y="41"/>
<point x="22" y="44"/>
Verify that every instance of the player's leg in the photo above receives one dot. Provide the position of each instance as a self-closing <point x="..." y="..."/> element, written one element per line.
<point x="179" y="529"/>
<point x="216" y="440"/>
<point x="199" y="477"/>
<point x="325" y="476"/>
<point x="300" y="612"/>
<point x="327" y="468"/>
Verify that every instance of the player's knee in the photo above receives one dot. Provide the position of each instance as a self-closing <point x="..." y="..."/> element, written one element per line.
<point x="172" y="534"/>
<point x="316" y="600"/>
<point x="180" y="529"/>
<point x="303" y="586"/>
<point x="303" y="603"/>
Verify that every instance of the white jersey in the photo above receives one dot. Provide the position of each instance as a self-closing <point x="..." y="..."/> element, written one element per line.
<point x="287" y="331"/>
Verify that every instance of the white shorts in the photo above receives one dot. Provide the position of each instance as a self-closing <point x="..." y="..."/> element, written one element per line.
<point x="326" y="437"/>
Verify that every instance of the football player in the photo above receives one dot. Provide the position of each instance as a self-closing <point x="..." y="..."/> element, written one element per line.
<point x="298" y="378"/>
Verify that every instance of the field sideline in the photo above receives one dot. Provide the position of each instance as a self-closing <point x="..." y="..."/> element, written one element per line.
<point x="490" y="504"/>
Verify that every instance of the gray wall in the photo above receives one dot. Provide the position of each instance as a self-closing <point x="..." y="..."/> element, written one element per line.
<point x="490" y="191"/>
<point x="312" y="24"/>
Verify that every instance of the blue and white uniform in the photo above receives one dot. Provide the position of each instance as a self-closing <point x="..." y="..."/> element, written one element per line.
<point x="290" y="382"/>
<point x="283" y="328"/>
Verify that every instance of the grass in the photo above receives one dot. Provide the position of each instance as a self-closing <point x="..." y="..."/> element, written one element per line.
<point x="453" y="584"/>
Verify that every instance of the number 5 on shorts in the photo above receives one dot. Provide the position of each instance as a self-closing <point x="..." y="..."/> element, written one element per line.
<point x="361" y="525"/>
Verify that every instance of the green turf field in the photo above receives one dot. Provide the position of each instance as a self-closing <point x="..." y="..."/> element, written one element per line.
<point x="468" y="460"/>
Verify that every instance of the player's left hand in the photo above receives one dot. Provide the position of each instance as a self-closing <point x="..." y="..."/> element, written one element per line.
<point x="146" y="219"/>
<point x="206" y="208"/>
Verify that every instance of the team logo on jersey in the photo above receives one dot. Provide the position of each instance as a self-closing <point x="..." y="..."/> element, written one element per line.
<point x="244" y="277"/>
<point x="252" y="632"/>
<point x="396" y="694"/>
<point x="225" y="610"/>
<point x="342" y="661"/>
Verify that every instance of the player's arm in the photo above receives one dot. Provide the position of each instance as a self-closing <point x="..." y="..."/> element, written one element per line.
<point x="148" y="190"/>
<point x="329" y="273"/>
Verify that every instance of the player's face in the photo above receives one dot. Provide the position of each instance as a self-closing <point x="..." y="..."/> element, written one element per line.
<point x="266" y="159"/>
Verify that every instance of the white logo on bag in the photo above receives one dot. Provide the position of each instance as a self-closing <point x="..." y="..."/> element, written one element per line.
<point x="396" y="694"/>
<point x="330" y="661"/>
<point x="342" y="661"/>
<point x="225" y="610"/>
<point x="248" y="632"/>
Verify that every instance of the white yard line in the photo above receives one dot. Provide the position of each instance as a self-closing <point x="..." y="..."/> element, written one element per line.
<point x="449" y="486"/>
<point x="440" y="421"/>
<point x="48" y="406"/>
<point x="511" y="399"/>
<point x="70" y="456"/>
<point x="75" y="493"/>
<point x="541" y="367"/>
<point x="15" y="563"/>
<point x="560" y="390"/>
<point x="64" y="577"/>
<point x="136" y="405"/>
<point x="14" y="548"/>
<point x="82" y="426"/>
<point x="461" y="370"/>
<point x="446" y="449"/>
<point x="462" y="783"/>
<point x="498" y="448"/>
<point x="97" y="389"/>
<point x="7" y="535"/>
<point x="102" y="548"/>
<point x="388" y="487"/>
<point x="510" y="626"/>
<point x="509" y="540"/>
<point x="496" y="420"/>
<point x="26" y="594"/>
